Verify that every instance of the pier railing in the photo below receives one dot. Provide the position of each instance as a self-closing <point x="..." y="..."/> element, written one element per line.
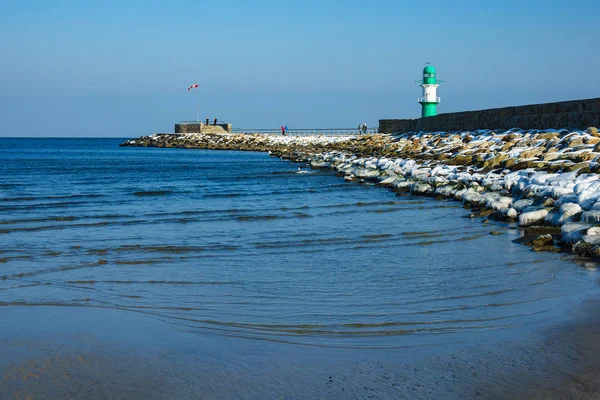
<point x="203" y="121"/>
<point x="306" y="131"/>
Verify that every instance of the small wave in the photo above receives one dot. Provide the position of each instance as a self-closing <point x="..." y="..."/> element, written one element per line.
<point x="36" y="304"/>
<point x="152" y="193"/>
<point x="161" y="282"/>
<point x="247" y="218"/>
<point x="387" y="210"/>
<point x="10" y="185"/>
<point x="97" y="252"/>
<point x="183" y="220"/>
<point x="528" y="301"/>
<point x="226" y="195"/>
<point x="342" y="330"/>
<point x="435" y="322"/>
<point x="294" y="208"/>
<point x="33" y="220"/>
<point x="35" y="206"/>
<point x="55" y="269"/>
<point x="164" y="308"/>
<point x="4" y="260"/>
<point x="301" y="243"/>
<point x="68" y="196"/>
<point x="430" y="242"/>
<point x="202" y="212"/>
<point x="377" y="236"/>
<point x="55" y="227"/>
<point x="417" y="233"/>
<point x="169" y="249"/>
<point x="139" y="262"/>
<point x="26" y="286"/>
<point x="302" y="215"/>
<point x="108" y="216"/>
<point x="362" y="204"/>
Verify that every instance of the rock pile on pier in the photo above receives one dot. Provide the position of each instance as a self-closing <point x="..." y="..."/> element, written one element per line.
<point x="547" y="181"/>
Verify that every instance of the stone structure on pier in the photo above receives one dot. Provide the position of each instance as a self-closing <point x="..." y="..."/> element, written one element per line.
<point x="195" y="127"/>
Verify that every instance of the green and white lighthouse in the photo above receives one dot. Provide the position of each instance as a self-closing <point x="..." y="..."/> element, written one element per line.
<point x="429" y="100"/>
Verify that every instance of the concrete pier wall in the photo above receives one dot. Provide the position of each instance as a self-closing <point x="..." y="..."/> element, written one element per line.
<point x="576" y="114"/>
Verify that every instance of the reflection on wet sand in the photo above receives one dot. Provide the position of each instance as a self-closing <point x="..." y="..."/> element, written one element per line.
<point x="97" y="362"/>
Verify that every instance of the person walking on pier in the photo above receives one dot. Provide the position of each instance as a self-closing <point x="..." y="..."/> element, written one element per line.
<point x="364" y="128"/>
<point x="359" y="128"/>
<point x="286" y="131"/>
<point x="282" y="130"/>
<point x="215" y="122"/>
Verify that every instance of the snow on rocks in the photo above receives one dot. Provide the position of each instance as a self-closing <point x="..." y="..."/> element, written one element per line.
<point x="573" y="232"/>
<point x="521" y="204"/>
<point x="497" y="202"/>
<point x="565" y="213"/>
<point x="533" y="217"/>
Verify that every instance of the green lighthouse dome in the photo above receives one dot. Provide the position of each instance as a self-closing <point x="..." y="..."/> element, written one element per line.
<point x="429" y="70"/>
<point x="429" y="75"/>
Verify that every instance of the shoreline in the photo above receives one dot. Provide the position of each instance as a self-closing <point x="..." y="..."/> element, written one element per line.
<point x="417" y="304"/>
<point x="546" y="181"/>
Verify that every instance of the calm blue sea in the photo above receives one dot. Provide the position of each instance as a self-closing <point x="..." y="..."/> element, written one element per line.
<point x="242" y="244"/>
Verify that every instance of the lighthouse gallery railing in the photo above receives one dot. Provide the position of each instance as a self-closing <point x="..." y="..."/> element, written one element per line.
<point x="426" y="100"/>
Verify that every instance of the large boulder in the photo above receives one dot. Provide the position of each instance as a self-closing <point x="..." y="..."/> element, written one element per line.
<point x="575" y="141"/>
<point x="592" y="131"/>
<point x="533" y="152"/>
<point x="495" y="161"/>
<point x="462" y="159"/>
<point x="549" y="135"/>
<point x="533" y="217"/>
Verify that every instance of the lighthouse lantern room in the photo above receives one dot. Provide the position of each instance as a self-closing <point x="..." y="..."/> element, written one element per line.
<point x="429" y="100"/>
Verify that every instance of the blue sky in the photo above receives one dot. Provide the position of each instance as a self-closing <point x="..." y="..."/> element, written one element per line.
<point x="115" y="68"/>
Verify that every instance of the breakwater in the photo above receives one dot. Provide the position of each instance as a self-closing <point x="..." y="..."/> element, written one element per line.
<point x="576" y="114"/>
<point x="545" y="181"/>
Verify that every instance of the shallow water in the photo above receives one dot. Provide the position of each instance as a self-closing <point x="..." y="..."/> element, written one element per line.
<point x="241" y="245"/>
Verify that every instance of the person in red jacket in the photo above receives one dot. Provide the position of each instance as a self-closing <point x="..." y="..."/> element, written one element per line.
<point x="283" y="130"/>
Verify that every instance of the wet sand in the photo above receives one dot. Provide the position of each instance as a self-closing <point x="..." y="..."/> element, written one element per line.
<point x="569" y="360"/>
<point x="89" y="353"/>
